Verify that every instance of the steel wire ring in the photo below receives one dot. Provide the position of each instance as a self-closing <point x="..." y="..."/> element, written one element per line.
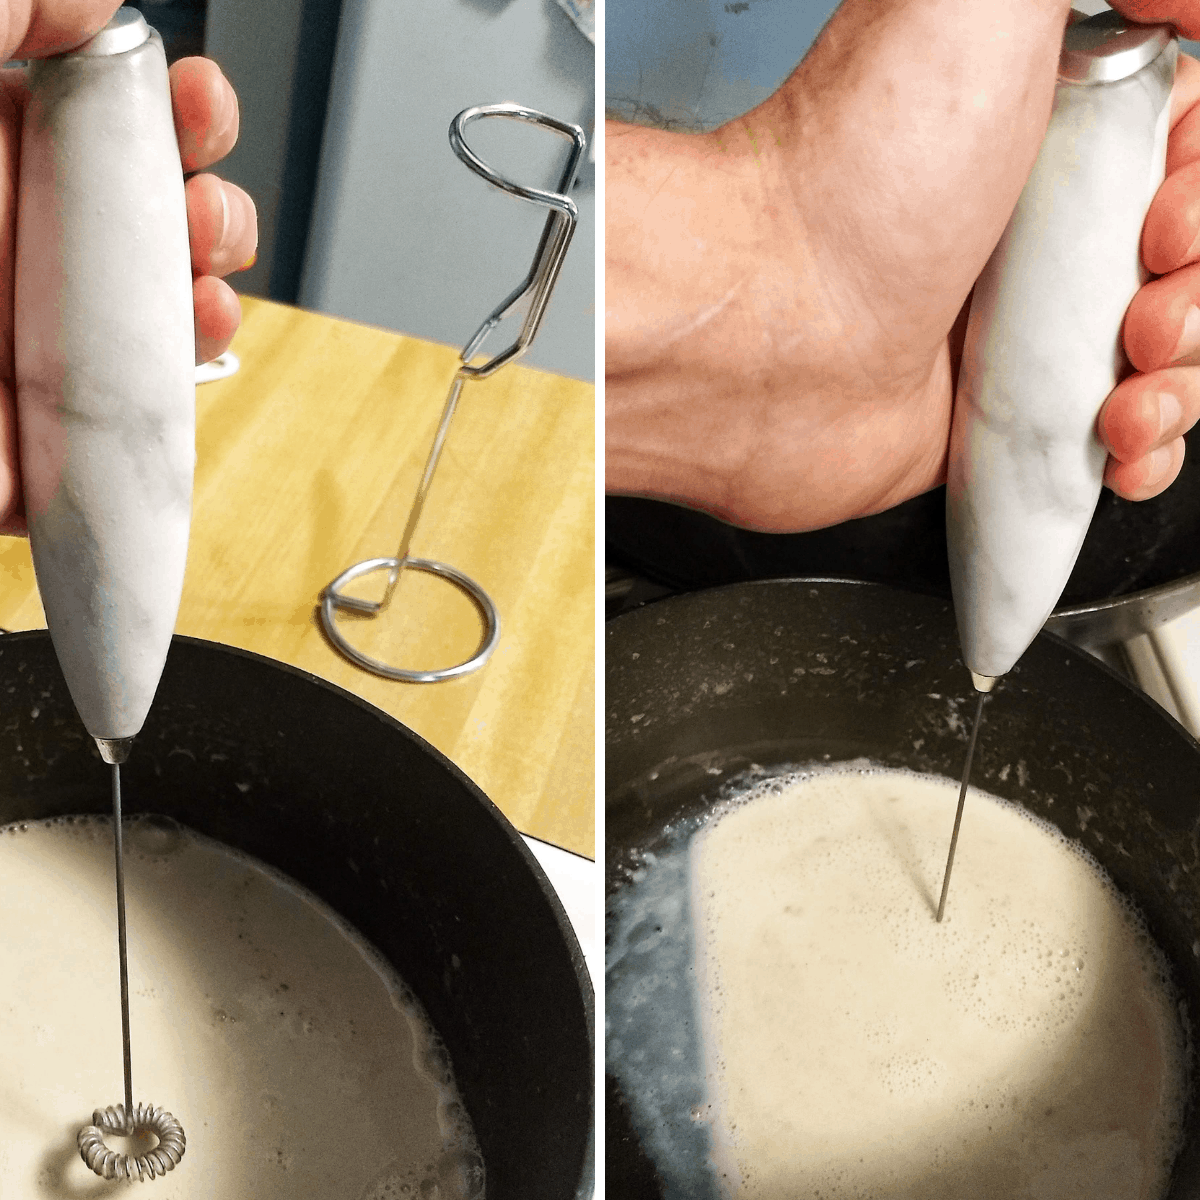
<point x="332" y="599"/>
<point x="111" y="1164"/>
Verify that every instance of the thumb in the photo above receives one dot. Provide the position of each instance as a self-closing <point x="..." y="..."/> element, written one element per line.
<point x="1183" y="14"/>
<point x="39" y="28"/>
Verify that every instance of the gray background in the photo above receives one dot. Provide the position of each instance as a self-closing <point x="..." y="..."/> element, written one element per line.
<point x="364" y="210"/>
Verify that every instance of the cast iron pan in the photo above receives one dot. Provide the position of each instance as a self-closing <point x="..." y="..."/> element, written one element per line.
<point x="1139" y="567"/>
<point x="794" y="671"/>
<point x="361" y="811"/>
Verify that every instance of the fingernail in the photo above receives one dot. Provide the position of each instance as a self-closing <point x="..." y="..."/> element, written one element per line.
<point x="233" y="225"/>
<point x="229" y="109"/>
<point x="1170" y="412"/>
<point x="224" y="216"/>
<point x="224" y="114"/>
<point x="1189" y="339"/>
<point x="1159" y="463"/>
<point x="254" y="258"/>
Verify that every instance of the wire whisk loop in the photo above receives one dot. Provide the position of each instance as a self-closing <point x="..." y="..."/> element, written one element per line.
<point x="112" y="1164"/>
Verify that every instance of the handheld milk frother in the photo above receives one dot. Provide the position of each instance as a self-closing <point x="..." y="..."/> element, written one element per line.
<point x="105" y="369"/>
<point x="1043" y="346"/>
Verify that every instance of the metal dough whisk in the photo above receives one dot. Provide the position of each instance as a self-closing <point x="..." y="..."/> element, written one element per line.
<point x="534" y="293"/>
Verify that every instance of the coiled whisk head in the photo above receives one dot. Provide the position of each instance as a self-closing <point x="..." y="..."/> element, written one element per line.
<point x="111" y="1164"/>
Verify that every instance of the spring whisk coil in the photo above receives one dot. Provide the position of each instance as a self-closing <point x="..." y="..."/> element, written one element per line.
<point x="111" y="1164"/>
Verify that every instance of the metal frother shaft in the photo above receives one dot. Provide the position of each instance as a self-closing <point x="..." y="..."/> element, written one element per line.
<point x="122" y="940"/>
<point x="127" y="1119"/>
<point x="962" y="798"/>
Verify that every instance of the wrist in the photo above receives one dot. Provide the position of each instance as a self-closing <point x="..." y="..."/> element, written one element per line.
<point x="702" y="300"/>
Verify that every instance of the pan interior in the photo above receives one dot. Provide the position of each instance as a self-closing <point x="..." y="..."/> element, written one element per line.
<point x="385" y="831"/>
<point x="271" y="1030"/>
<point x="701" y="687"/>
<point x="657" y="1009"/>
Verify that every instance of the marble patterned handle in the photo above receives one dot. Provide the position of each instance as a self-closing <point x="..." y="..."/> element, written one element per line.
<point x="105" y="366"/>
<point x="1043" y="352"/>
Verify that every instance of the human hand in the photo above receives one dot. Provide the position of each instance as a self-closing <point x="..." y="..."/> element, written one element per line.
<point x="222" y="224"/>
<point x="787" y="294"/>
<point x="1143" y="422"/>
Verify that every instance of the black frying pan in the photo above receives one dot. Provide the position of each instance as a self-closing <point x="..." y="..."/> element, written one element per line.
<point x="1139" y="567"/>
<point x="361" y="811"/>
<point x="713" y="680"/>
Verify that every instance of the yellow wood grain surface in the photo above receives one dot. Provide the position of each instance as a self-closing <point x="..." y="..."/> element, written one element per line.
<point x="307" y="461"/>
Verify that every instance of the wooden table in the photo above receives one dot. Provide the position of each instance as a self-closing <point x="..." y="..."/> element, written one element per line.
<point x="307" y="461"/>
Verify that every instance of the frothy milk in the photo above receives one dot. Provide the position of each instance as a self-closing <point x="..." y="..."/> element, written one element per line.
<point x="297" y="1061"/>
<point x="844" y="1044"/>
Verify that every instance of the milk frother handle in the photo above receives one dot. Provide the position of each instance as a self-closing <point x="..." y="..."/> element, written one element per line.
<point x="105" y="367"/>
<point x="1043" y="346"/>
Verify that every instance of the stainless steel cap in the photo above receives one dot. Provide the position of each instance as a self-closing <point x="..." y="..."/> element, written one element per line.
<point x="114" y="751"/>
<point x="1107" y="47"/>
<point x="126" y="31"/>
<point x="983" y="683"/>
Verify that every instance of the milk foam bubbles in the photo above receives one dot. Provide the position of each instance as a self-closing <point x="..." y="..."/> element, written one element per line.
<point x="846" y="1045"/>
<point x="297" y="1061"/>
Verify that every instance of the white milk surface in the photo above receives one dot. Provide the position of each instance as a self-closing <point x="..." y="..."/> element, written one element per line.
<point x="846" y="1045"/>
<point x="299" y="1065"/>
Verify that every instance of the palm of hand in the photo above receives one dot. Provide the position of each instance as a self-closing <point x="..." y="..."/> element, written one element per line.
<point x="806" y="376"/>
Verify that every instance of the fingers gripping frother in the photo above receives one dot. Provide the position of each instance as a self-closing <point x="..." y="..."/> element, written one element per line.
<point x="1043" y="346"/>
<point x="105" y="370"/>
